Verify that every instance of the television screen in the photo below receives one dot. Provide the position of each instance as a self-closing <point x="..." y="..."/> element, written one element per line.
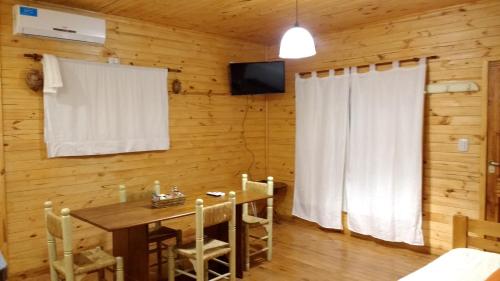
<point x="257" y="77"/>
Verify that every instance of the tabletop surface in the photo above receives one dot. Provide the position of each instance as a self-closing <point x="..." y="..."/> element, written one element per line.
<point x="134" y="213"/>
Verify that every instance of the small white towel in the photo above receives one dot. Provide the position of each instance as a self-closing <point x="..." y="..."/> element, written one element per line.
<point x="51" y="74"/>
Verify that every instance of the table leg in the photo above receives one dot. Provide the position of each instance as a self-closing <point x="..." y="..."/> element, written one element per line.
<point x="276" y="217"/>
<point x="132" y="245"/>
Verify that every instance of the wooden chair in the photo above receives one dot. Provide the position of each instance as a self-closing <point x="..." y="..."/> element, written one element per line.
<point x="254" y="220"/>
<point x="158" y="233"/>
<point x="74" y="267"/>
<point x="203" y="250"/>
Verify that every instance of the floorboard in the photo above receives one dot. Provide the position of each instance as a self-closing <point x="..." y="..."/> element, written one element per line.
<point x="304" y="252"/>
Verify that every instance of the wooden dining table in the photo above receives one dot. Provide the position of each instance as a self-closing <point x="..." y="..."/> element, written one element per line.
<point x="129" y="224"/>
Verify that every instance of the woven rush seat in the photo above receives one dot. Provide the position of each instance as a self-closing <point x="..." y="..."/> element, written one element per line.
<point x="87" y="261"/>
<point x="254" y="220"/>
<point x="212" y="248"/>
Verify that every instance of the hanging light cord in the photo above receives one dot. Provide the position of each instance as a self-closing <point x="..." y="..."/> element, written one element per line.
<point x="296" y="12"/>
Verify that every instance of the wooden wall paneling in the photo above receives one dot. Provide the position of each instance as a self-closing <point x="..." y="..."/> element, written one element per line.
<point x="214" y="136"/>
<point x="463" y="36"/>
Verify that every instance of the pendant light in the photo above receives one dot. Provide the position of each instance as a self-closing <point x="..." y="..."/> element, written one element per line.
<point x="297" y="42"/>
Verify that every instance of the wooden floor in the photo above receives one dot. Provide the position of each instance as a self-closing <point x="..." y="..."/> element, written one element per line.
<point x="303" y="252"/>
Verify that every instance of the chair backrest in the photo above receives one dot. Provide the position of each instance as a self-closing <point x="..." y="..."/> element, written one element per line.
<point x="212" y="215"/>
<point x="122" y="192"/>
<point x="54" y="225"/>
<point x="59" y="227"/>
<point x="157" y="187"/>
<point x="267" y="188"/>
<point x="124" y="196"/>
<point x="216" y="214"/>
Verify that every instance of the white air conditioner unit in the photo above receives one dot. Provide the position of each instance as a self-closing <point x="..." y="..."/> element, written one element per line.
<point x="58" y="25"/>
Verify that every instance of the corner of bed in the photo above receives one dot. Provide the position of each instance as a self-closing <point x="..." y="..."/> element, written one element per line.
<point x="474" y="257"/>
<point x="471" y="233"/>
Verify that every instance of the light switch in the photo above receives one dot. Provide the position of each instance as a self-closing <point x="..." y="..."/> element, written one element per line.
<point x="463" y="145"/>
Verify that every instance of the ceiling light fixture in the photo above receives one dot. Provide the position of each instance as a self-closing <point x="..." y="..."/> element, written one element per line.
<point x="297" y="42"/>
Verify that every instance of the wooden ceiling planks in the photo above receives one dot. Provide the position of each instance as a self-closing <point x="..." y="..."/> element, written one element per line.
<point x="261" y="21"/>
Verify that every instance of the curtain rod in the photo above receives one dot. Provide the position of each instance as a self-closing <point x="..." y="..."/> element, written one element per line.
<point x="367" y="65"/>
<point x="38" y="57"/>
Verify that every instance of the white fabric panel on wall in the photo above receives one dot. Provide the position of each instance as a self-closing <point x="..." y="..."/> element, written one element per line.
<point x="322" y="117"/>
<point x="384" y="175"/>
<point x="105" y="109"/>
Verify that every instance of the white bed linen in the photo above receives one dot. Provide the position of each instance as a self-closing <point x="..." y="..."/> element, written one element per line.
<point x="458" y="265"/>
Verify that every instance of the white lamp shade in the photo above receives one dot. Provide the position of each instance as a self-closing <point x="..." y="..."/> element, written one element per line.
<point x="297" y="43"/>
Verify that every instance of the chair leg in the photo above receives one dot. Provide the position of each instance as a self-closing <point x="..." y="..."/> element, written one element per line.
<point x="171" y="263"/>
<point x="53" y="274"/>
<point x="199" y="270"/>
<point x="159" y="259"/>
<point x="232" y="266"/>
<point x="269" y="231"/>
<point x="119" y="269"/>
<point x="247" y="246"/>
<point x="205" y="271"/>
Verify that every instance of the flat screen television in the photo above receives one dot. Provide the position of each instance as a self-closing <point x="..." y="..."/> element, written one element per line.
<point x="257" y="78"/>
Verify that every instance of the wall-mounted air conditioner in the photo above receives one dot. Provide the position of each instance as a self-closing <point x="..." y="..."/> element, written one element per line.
<point x="59" y="25"/>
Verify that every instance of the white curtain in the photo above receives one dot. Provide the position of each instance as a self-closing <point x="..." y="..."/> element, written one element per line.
<point x="105" y="108"/>
<point x="322" y="116"/>
<point x="384" y="176"/>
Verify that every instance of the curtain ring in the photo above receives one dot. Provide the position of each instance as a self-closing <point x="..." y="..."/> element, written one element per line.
<point x="331" y="72"/>
<point x="395" y="64"/>
<point x="372" y="67"/>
